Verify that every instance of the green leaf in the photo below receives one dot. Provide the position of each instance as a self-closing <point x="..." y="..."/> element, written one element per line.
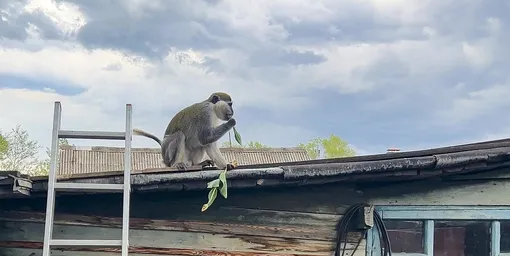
<point x="223" y="188"/>
<point x="237" y="136"/>
<point x="213" y="184"/>
<point x="212" y="196"/>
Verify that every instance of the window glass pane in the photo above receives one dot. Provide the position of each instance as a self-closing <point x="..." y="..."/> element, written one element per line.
<point x="462" y="238"/>
<point x="505" y="236"/>
<point x="405" y="236"/>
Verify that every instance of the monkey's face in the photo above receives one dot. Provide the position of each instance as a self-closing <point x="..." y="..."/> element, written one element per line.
<point x="224" y="110"/>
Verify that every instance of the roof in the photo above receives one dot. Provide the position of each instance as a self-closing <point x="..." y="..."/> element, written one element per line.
<point x="442" y="163"/>
<point x="74" y="160"/>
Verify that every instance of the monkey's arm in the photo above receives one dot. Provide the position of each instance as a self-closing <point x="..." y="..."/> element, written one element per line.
<point x="214" y="134"/>
<point x="215" y="154"/>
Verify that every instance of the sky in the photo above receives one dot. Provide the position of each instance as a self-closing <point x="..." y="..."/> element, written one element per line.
<point x="410" y="74"/>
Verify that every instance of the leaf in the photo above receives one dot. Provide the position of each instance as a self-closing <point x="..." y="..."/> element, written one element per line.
<point x="212" y="196"/>
<point x="223" y="188"/>
<point x="237" y="136"/>
<point x="213" y="184"/>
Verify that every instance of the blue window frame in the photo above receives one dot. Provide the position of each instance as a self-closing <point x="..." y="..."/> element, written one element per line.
<point x="429" y="214"/>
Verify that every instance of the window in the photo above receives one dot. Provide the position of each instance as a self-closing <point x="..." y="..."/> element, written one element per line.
<point x="462" y="238"/>
<point x="443" y="231"/>
<point x="405" y="236"/>
<point x="505" y="236"/>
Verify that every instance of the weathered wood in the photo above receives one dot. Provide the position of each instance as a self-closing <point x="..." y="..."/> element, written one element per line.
<point x="498" y="174"/>
<point x="325" y="233"/>
<point x="441" y="193"/>
<point x="330" y="199"/>
<point x="170" y="241"/>
<point x="144" y="251"/>
<point x="35" y="248"/>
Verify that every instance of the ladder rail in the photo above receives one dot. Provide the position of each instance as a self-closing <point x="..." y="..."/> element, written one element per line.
<point x="127" y="181"/>
<point x="54" y="186"/>
<point x="50" y="200"/>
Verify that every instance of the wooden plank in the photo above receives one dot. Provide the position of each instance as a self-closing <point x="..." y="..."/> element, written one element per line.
<point x="4" y="251"/>
<point x="326" y="233"/>
<point x="323" y="199"/>
<point x="498" y="174"/>
<point x="170" y="240"/>
<point x="32" y="249"/>
<point x="448" y="214"/>
<point x="440" y="193"/>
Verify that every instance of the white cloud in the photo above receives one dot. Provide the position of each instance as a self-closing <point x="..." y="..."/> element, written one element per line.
<point x="479" y="54"/>
<point x="476" y="104"/>
<point x="375" y="50"/>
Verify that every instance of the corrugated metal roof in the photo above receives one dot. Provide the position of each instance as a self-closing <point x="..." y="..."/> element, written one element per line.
<point x="74" y="160"/>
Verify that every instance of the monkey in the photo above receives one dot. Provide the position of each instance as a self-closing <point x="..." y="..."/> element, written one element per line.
<point x="193" y="132"/>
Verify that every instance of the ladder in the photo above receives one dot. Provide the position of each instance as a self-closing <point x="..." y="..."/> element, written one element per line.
<point x="54" y="186"/>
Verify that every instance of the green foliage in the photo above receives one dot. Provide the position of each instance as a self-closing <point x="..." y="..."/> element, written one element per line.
<point x="21" y="153"/>
<point x="312" y="147"/>
<point x="44" y="165"/>
<point x="333" y="147"/>
<point x="219" y="183"/>
<point x="237" y="136"/>
<point x="4" y="146"/>
<point x="250" y="144"/>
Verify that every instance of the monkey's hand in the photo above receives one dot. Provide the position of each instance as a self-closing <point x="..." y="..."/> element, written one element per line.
<point x="207" y="162"/>
<point x="231" y="122"/>
<point x="232" y="165"/>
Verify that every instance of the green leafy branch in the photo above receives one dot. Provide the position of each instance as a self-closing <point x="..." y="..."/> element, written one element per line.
<point x="221" y="182"/>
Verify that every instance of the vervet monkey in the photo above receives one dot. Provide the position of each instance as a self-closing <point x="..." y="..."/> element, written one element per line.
<point x="194" y="131"/>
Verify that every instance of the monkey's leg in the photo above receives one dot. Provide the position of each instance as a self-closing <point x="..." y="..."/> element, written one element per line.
<point x="176" y="154"/>
<point x="213" y="134"/>
<point x="197" y="155"/>
<point x="168" y="149"/>
<point x="215" y="154"/>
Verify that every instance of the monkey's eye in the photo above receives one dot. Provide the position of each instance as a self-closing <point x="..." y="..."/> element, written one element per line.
<point x="230" y="104"/>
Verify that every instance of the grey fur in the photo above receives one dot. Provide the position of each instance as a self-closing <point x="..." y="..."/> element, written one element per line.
<point x="193" y="132"/>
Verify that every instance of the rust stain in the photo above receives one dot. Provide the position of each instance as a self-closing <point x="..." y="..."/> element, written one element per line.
<point x="152" y="250"/>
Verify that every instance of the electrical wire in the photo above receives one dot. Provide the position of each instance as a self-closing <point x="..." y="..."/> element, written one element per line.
<point x="343" y="231"/>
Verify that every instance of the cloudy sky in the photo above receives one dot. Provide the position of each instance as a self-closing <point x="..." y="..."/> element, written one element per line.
<point x="378" y="73"/>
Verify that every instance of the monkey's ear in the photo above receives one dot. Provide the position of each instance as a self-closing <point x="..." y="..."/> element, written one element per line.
<point x="215" y="98"/>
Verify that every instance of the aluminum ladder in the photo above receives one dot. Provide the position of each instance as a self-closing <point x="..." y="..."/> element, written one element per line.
<point x="54" y="186"/>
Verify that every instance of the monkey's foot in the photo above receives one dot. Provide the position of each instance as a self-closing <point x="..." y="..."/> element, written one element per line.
<point x="230" y="167"/>
<point x="181" y="166"/>
<point x="207" y="162"/>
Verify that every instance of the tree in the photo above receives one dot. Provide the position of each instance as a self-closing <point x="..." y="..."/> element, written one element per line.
<point x="44" y="166"/>
<point x="250" y="144"/>
<point x="21" y="153"/>
<point x="4" y="146"/>
<point x="333" y="147"/>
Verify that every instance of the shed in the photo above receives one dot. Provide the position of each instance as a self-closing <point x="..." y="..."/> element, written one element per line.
<point x="444" y="201"/>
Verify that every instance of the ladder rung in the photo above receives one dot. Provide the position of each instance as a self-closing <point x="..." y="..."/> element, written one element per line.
<point x="65" y="186"/>
<point x="91" y="135"/>
<point x="86" y="243"/>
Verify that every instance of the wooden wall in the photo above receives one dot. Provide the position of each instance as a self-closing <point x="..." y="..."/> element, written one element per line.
<point x="298" y="221"/>
<point x="278" y="221"/>
<point x="479" y="189"/>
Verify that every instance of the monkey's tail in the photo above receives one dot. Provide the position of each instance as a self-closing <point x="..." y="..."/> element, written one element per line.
<point x="146" y="134"/>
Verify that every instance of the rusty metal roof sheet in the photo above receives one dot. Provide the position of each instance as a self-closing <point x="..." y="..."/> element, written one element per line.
<point x="104" y="159"/>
